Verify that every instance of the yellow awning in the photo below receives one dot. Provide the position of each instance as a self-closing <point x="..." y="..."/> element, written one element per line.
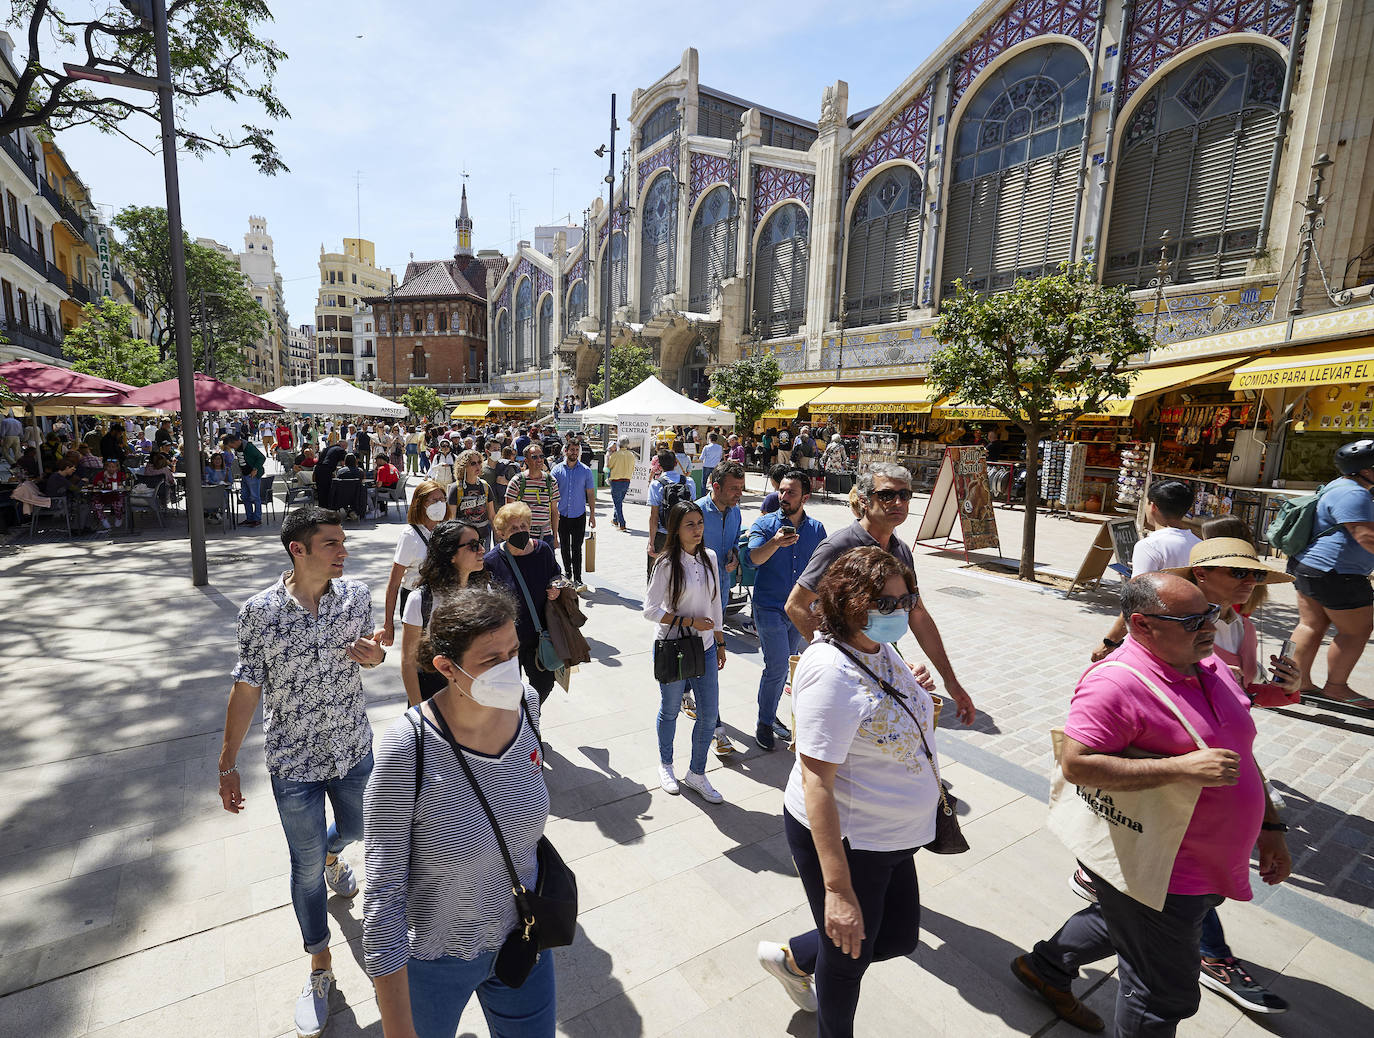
<point x="713" y="402"/>
<point x="878" y="398"/>
<point x="1151" y="381"/>
<point x="791" y="399"/>
<point x="469" y="409"/>
<point x="512" y="405"/>
<point x="1351" y="364"/>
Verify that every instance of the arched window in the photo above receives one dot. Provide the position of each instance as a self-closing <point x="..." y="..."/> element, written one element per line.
<point x="429" y="322"/>
<point x="780" y="272"/>
<point x="405" y="324"/>
<point x="659" y="124"/>
<point x="524" y="325"/>
<point x="1195" y="162"/>
<point x="615" y="279"/>
<point x="1015" y="179"/>
<point x="381" y="324"/>
<point x="417" y="362"/>
<point x="884" y="248"/>
<point x="713" y="249"/>
<point x="455" y="324"/>
<point x="576" y="308"/>
<point x="443" y="321"/>
<point x="656" y="268"/>
<point x="503" y="342"/>
<point x="545" y="331"/>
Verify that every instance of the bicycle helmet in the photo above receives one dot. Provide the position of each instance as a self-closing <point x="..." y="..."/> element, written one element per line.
<point x="1353" y="457"/>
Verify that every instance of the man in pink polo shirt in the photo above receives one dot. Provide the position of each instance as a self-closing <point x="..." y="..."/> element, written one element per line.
<point x="1170" y="641"/>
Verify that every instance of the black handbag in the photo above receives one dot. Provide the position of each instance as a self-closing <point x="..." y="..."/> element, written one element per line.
<point x="548" y="914"/>
<point x="949" y="838"/>
<point x="676" y="659"/>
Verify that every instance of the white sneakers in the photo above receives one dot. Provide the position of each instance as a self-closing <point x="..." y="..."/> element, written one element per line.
<point x="773" y="958"/>
<point x="667" y="781"/>
<point x="701" y="786"/>
<point x="312" y="1007"/>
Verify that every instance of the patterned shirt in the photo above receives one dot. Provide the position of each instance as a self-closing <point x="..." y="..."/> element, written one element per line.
<point x="540" y="493"/>
<point x="313" y="714"/>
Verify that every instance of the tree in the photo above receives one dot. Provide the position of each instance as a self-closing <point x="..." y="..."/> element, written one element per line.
<point x="1044" y="353"/>
<point x="748" y="387"/>
<point x="219" y="49"/>
<point x="631" y="364"/>
<point x="103" y="345"/>
<point x="235" y="320"/>
<point x="422" y="401"/>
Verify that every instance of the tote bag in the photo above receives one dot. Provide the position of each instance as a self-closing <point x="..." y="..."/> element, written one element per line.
<point x="1130" y="839"/>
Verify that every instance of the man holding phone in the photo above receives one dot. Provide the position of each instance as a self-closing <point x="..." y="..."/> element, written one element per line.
<point x="781" y="544"/>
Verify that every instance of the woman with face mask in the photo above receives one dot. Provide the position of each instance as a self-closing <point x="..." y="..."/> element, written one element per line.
<point x="427" y="510"/>
<point x="536" y="564"/>
<point x="438" y="902"/>
<point x="441" y="465"/>
<point x="862" y="795"/>
<point x="453" y="562"/>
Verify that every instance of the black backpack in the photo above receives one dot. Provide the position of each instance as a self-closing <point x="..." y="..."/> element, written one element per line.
<point x="682" y="490"/>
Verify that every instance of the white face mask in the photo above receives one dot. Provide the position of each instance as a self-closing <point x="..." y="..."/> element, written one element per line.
<point x="436" y="510"/>
<point x="500" y="687"/>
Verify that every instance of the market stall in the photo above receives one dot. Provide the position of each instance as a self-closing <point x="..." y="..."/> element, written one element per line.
<point x="334" y="396"/>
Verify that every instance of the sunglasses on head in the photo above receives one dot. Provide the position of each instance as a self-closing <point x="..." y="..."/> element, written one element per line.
<point x="889" y="495"/>
<point x="888" y="605"/>
<point x="1193" y="621"/>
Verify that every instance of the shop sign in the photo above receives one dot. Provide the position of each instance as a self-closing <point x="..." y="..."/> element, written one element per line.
<point x="103" y="252"/>
<point x="1341" y="407"/>
<point x="961" y="488"/>
<point x="972" y="414"/>
<point x="1317" y="374"/>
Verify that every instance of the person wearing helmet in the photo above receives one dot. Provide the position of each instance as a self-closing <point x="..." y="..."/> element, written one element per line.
<point x="1331" y="576"/>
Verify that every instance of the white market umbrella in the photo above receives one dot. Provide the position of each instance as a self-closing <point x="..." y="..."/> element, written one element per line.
<point x="335" y="396"/>
<point x="653" y="400"/>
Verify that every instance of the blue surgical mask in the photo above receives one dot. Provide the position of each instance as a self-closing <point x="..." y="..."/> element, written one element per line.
<point x="887" y="627"/>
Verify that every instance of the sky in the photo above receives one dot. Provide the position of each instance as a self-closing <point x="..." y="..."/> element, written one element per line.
<point x="392" y="103"/>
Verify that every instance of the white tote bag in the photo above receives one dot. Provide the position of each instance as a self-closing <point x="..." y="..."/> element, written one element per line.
<point x="1130" y="839"/>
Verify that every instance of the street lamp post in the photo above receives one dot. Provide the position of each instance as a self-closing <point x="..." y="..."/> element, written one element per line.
<point x="391" y="317"/>
<point x="1162" y="280"/>
<point x="605" y="289"/>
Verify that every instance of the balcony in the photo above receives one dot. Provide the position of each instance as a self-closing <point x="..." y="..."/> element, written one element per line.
<point x="31" y="338"/>
<point x="80" y="292"/>
<point x="64" y="207"/>
<point x="11" y="242"/>
<point x="16" y="154"/>
<point x="59" y="279"/>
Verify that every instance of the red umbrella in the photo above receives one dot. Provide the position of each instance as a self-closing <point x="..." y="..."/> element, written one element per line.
<point x="211" y="395"/>
<point x="34" y="382"/>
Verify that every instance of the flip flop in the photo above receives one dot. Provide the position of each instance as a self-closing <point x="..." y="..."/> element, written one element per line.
<point x="1359" y="706"/>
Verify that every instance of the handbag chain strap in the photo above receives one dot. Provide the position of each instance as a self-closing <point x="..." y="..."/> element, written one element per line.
<point x="520" y="579"/>
<point x="900" y="698"/>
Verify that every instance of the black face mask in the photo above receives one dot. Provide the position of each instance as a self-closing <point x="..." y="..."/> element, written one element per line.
<point x="519" y="540"/>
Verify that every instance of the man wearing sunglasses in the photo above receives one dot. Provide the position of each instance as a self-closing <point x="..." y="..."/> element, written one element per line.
<point x="885" y="499"/>
<point x="1171" y="629"/>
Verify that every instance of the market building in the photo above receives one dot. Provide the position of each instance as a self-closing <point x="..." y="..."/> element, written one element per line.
<point x="1169" y="143"/>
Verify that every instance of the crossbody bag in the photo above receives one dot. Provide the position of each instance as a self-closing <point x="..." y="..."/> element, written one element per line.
<point x="546" y="656"/>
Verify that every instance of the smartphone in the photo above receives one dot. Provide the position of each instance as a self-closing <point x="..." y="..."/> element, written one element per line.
<point x="1286" y="649"/>
<point x="787" y="531"/>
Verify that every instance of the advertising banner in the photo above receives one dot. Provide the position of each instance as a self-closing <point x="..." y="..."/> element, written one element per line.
<point x="637" y="430"/>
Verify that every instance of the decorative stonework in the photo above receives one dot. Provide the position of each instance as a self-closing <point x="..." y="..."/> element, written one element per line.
<point x="661" y="159"/>
<point x="791" y="356"/>
<point x="575" y="273"/>
<point x="772" y="185"/>
<point x="1022" y="21"/>
<point x="708" y="170"/>
<point x="1203" y="314"/>
<point x="617" y="222"/>
<point x="891" y="346"/>
<point x="543" y="282"/>
<point x="1162" y="28"/>
<point x="903" y="138"/>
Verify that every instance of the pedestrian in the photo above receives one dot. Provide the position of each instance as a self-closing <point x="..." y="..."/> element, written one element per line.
<point x="539" y="492"/>
<point x="317" y="740"/>
<point x="414" y="442"/>
<point x="669" y="488"/>
<point x="1332" y="577"/>
<point x="1167" y="546"/>
<point x="453" y="561"/>
<point x="470" y="498"/>
<point x="325" y="466"/>
<point x="781" y="545"/>
<point x="497" y="471"/>
<point x="576" y="510"/>
<point x="884" y="494"/>
<point x="439" y="904"/>
<point x="441" y="465"/>
<point x="11" y="429"/>
<point x="711" y="455"/>
<point x="620" y="467"/>
<point x="684" y="596"/>
<point x="522" y="562"/>
<point x="771" y="499"/>
<point x="250" y="486"/>
<point x="1170" y="634"/>
<point x="427" y="510"/>
<point x="863" y="792"/>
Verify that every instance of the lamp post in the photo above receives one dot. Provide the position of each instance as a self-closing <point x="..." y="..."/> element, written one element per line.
<point x="391" y="318"/>
<point x="609" y="154"/>
<point x="1162" y="280"/>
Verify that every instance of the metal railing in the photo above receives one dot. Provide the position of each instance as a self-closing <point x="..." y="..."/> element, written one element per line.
<point x="58" y="278"/>
<point x="11" y="242"/>
<point x="31" y="338"/>
<point x="64" y="206"/>
<point x="25" y="164"/>
<point x="80" y="292"/>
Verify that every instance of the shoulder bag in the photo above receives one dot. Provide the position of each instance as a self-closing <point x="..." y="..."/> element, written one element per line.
<point x="548" y="914"/>
<point x="679" y="658"/>
<point x="546" y="657"/>
<point x="1129" y="838"/>
<point x="949" y="838"/>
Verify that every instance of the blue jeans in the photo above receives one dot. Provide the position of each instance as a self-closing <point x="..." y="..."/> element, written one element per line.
<point x="440" y="990"/>
<point x="1213" y="944"/>
<point x="252" y="498"/>
<point x="779" y="639"/>
<point x="706" y="689"/>
<point x="619" y="488"/>
<point x="301" y="807"/>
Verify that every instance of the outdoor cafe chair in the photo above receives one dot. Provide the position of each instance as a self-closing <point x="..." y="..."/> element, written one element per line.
<point x="57" y="509"/>
<point x="267" y="495"/>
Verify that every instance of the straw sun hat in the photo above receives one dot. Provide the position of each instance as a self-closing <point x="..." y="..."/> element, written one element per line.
<point x="1222" y="552"/>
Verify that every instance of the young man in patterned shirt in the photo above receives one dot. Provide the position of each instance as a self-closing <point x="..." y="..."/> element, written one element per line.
<point x="301" y="644"/>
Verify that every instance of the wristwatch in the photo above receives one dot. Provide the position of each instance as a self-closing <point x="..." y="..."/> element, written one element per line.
<point x="1111" y="644"/>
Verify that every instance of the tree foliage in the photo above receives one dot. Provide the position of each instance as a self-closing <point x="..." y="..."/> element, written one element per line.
<point x="219" y="49"/>
<point x="1044" y="353"/>
<point x="422" y="401"/>
<point x="631" y="364"/>
<point x="748" y="387"/>
<point x="103" y="345"/>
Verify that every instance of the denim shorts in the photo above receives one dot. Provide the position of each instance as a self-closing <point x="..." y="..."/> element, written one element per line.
<point x="1333" y="590"/>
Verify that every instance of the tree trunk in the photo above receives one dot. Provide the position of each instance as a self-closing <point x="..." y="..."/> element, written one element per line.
<point x="1027" y="570"/>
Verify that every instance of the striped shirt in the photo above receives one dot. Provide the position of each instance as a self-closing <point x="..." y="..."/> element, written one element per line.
<point x="436" y="882"/>
<point x="542" y="497"/>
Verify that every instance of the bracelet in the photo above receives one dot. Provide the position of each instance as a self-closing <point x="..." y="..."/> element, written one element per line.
<point x="229" y="772"/>
<point x="1273" y="827"/>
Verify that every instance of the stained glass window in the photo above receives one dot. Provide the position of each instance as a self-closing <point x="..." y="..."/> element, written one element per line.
<point x="577" y="306"/>
<point x="524" y="325"/>
<point x="659" y="124"/>
<point x="884" y="248"/>
<point x="713" y="249"/>
<point x="657" y="275"/>
<point x="780" y="272"/>
<point x="545" y="332"/>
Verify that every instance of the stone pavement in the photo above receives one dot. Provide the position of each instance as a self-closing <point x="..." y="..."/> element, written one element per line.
<point x="131" y="904"/>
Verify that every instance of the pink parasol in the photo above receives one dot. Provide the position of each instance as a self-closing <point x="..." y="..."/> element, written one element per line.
<point x="211" y="395"/>
<point x="33" y="382"/>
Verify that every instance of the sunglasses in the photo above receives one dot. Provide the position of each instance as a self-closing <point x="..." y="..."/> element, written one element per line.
<point x="473" y="546"/>
<point x="1239" y="573"/>
<point x="888" y="496"/>
<point x="536" y="456"/>
<point x="887" y="605"/>
<point x="1193" y="621"/>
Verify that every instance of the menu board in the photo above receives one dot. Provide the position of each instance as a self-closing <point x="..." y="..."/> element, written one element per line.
<point x="961" y="488"/>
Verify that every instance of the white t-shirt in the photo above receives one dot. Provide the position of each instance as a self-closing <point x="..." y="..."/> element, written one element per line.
<point x="411" y="612"/>
<point x="1165" y="548"/>
<point x="411" y="548"/>
<point x="1230" y="634"/>
<point x="884" y="789"/>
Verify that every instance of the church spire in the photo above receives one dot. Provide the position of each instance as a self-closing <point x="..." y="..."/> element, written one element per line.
<point x="463" y="225"/>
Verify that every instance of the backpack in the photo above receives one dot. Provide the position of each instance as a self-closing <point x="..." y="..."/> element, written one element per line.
<point x="682" y="490"/>
<point x="1291" y="530"/>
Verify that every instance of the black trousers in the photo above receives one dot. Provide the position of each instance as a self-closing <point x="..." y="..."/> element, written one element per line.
<point x="660" y="539"/>
<point x="540" y="680"/>
<point x="571" y="534"/>
<point x="890" y="900"/>
<point x="1156" y="952"/>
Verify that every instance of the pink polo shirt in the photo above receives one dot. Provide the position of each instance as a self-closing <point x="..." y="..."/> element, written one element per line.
<point x="1111" y="710"/>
